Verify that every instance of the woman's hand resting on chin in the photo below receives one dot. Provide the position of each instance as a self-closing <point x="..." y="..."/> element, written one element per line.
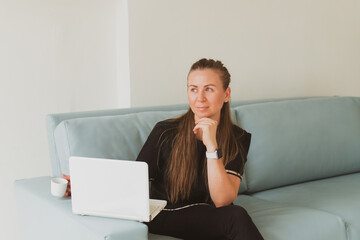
<point x="205" y="130"/>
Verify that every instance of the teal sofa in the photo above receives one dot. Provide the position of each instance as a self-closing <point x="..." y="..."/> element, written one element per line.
<point x="301" y="181"/>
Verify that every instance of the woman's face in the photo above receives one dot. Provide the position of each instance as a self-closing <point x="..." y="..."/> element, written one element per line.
<point x="206" y="94"/>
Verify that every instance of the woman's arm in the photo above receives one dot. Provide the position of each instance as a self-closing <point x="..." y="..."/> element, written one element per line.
<point x="223" y="187"/>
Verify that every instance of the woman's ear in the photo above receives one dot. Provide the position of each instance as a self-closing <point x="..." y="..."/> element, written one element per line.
<point x="227" y="94"/>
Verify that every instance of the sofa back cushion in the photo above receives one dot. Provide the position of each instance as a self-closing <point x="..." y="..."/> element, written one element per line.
<point x="53" y="120"/>
<point x="300" y="140"/>
<point x="112" y="137"/>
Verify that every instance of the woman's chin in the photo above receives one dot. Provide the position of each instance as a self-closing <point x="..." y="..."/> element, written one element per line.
<point x="202" y="115"/>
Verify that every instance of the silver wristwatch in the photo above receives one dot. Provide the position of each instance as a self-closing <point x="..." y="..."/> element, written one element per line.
<point x="214" y="155"/>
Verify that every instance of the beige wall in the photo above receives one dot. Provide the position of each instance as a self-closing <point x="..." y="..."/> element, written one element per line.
<point x="273" y="49"/>
<point x="55" y="56"/>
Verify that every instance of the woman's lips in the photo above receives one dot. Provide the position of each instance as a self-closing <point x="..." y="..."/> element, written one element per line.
<point x="202" y="108"/>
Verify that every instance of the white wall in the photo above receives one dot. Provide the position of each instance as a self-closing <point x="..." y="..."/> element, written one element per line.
<point x="273" y="49"/>
<point x="55" y="56"/>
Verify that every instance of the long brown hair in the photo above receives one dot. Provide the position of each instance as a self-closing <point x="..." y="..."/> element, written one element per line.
<point x="182" y="169"/>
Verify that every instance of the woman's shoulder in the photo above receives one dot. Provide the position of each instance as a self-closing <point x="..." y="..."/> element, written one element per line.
<point x="239" y="131"/>
<point x="241" y="134"/>
<point x="243" y="137"/>
<point x="168" y="125"/>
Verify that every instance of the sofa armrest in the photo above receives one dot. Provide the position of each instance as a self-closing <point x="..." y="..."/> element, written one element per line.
<point x="43" y="216"/>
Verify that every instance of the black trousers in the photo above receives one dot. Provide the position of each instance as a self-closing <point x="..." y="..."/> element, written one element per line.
<point x="206" y="222"/>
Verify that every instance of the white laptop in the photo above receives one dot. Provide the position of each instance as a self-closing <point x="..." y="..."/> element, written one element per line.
<point x="112" y="188"/>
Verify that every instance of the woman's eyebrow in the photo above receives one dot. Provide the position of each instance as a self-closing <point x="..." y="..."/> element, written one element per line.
<point x="207" y="85"/>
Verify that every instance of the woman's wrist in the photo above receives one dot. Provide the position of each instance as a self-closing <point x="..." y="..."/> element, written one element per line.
<point x="211" y="148"/>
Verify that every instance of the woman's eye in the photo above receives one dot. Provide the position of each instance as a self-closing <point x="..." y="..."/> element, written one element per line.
<point x="193" y="90"/>
<point x="208" y="89"/>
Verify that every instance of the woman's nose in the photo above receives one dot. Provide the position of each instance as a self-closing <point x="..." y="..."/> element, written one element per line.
<point x="201" y="96"/>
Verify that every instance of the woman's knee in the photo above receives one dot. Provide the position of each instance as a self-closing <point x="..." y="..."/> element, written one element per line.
<point x="237" y="214"/>
<point x="239" y="223"/>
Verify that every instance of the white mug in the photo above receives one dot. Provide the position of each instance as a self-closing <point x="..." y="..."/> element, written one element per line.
<point x="58" y="186"/>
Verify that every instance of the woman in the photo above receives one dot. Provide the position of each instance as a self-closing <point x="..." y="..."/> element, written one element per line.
<point x="196" y="161"/>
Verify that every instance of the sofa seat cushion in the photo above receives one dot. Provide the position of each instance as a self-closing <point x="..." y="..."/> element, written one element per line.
<point x="300" y="140"/>
<point x="337" y="195"/>
<point x="283" y="222"/>
<point x="43" y="216"/>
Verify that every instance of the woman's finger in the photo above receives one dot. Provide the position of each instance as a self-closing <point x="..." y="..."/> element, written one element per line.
<point x="67" y="177"/>
<point x="68" y="188"/>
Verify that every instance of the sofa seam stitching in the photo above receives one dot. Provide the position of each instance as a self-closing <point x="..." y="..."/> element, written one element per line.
<point x="67" y="137"/>
<point x="347" y="228"/>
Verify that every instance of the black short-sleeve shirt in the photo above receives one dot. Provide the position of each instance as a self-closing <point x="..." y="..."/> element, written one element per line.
<point x="156" y="158"/>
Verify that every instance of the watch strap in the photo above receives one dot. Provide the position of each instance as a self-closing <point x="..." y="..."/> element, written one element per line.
<point x="214" y="155"/>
